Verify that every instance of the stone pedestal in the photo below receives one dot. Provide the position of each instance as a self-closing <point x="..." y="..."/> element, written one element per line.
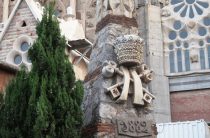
<point x="104" y="117"/>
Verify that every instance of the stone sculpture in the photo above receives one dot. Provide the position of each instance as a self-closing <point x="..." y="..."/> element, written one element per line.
<point x="129" y="51"/>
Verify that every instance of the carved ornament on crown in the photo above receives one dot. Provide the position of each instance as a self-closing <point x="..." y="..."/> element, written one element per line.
<point x="115" y="7"/>
<point x="131" y="70"/>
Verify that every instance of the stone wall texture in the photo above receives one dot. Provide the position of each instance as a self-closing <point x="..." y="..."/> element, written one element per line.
<point x="190" y="105"/>
<point x="99" y="109"/>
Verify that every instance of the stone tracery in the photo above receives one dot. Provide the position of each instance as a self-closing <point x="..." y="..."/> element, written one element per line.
<point x="186" y="29"/>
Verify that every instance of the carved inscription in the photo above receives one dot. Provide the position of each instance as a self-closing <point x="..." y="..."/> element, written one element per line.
<point x="134" y="127"/>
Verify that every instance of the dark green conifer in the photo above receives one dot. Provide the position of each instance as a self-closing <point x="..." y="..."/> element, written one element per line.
<point x="44" y="103"/>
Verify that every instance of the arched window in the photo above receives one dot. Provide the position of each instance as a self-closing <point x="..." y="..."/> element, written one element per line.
<point x="179" y="60"/>
<point x="187" y="60"/>
<point x="202" y="58"/>
<point x="171" y="60"/>
<point x="208" y="49"/>
<point x="186" y="27"/>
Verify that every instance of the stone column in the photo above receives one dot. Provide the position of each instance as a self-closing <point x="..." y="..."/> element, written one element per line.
<point x="150" y="28"/>
<point x="5" y="10"/>
<point x="110" y="110"/>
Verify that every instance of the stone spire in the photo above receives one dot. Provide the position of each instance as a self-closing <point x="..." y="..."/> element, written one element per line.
<point x="116" y="100"/>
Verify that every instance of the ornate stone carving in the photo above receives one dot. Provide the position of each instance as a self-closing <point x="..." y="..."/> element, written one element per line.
<point x="115" y="7"/>
<point x="135" y="127"/>
<point x="191" y="24"/>
<point x="132" y="75"/>
<point x="194" y="58"/>
<point x="165" y="13"/>
<point x="129" y="50"/>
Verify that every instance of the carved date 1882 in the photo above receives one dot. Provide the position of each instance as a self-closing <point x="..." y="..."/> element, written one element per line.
<point x="134" y="128"/>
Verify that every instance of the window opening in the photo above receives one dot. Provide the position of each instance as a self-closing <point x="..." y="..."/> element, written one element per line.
<point x="179" y="60"/>
<point x="208" y="49"/>
<point x="202" y="58"/>
<point x="23" y="24"/>
<point x="17" y="59"/>
<point x="24" y="46"/>
<point x="187" y="60"/>
<point x="171" y="60"/>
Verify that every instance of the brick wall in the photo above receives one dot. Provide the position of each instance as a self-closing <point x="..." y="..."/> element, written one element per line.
<point x="190" y="105"/>
<point x="14" y="30"/>
<point x="5" y="77"/>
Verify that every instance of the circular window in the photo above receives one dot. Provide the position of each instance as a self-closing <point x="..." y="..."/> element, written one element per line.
<point x="17" y="59"/>
<point x="177" y="25"/>
<point x="172" y="35"/>
<point x="202" y="31"/>
<point x="24" y="46"/>
<point x="206" y="21"/>
<point x="178" y="43"/>
<point x="183" y="34"/>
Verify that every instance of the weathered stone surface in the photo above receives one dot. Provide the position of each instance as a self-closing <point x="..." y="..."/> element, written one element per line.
<point x="135" y="127"/>
<point x="98" y="106"/>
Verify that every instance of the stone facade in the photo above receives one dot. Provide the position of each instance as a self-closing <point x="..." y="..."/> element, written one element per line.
<point x="15" y="30"/>
<point x="21" y="29"/>
<point x="156" y="19"/>
<point x="100" y="110"/>
<point x="105" y="117"/>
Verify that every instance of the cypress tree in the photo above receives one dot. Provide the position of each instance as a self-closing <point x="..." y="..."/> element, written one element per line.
<point x="45" y="102"/>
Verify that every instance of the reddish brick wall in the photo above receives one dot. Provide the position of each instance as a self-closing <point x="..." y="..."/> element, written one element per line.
<point x="4" y="79"/>
<point x="191" y="105"/>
